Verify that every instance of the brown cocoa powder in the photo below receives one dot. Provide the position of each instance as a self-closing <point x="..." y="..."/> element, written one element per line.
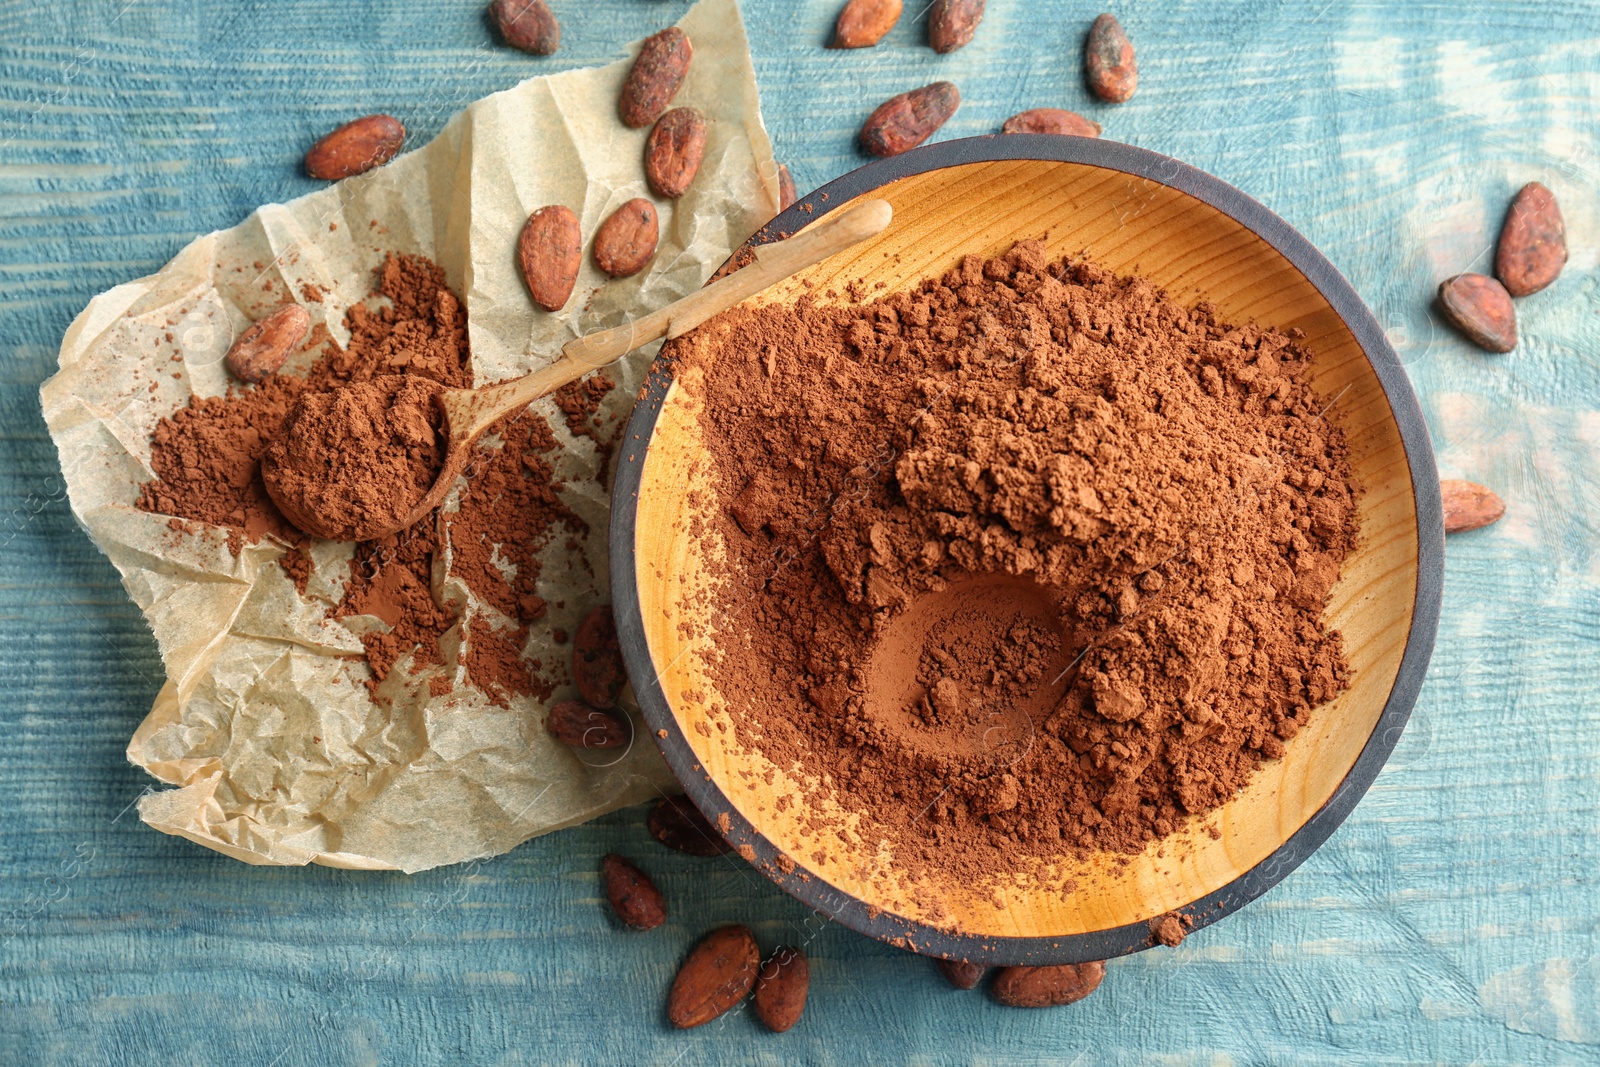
<point x="392" y="579"/>
<point x="579" y="403"/>
<point x="1170" y="929"/>
<point x="359" y="458"/>
<point x="510" y="510"/>
<point x="1028" y="560"/>
<point x="207" y="455"/>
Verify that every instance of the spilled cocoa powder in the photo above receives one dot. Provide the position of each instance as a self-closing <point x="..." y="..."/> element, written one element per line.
<point x="578" y="402"/>
<point x="1029" y="560"/>
<point x="205" y="457"/>
<point x="410" y="341"/>
<point x="509" y="510"/>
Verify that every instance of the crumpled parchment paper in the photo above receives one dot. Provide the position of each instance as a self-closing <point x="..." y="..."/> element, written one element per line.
<point x="276" y="751"/>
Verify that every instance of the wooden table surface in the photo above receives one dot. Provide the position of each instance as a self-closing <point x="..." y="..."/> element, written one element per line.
<point x="1452" y="919"/>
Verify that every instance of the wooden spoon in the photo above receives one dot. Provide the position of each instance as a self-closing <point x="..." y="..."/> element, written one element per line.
<point x="469" y="412"/>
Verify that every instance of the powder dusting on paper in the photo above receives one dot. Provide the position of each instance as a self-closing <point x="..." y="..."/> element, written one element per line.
<point x="510" y="508"/>
<point x="207" y="458"/>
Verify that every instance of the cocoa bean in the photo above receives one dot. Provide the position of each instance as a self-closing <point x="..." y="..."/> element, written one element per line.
<point x="633" y="896"/>
<point x="528" y="25"/>
<point x="580" y="725"/>
<point x="550" y="251"/>
<point x="952" y="23"/>
<point x="961" y="974"/>
<point x="905" y="121"/>
<point x="717" y="975"/>
<point x="678" y="824"/>
<point x="1533" y="242"/>
<point x="1108" y="62"/>
<point x="781" y="988"/>
<point x="1051" y="120"/>
<point x="653" y="80"/>
<point x="1468" y="505"/>
<point x="264" y="347"/>
<point x="356" y="147"/>
<point x="786" y="191"/>
<point x="1480" y="308"/>
<point x="626" y="242"/>
<point x="673" y="152"/>
<point x="1046" y="987"/>
<point x="863" y="23"/>
<point x="597" y="665"/>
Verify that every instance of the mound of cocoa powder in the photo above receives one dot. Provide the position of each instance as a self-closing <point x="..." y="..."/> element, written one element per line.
<point x="1029" y="560"/>
<point x="207" y="460"/>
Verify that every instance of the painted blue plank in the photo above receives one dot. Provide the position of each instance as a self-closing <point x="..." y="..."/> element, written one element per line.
<point x="1453" y="919"/>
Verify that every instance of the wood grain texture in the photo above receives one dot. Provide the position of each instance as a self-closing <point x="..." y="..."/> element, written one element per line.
<point x="1452" y="919"/>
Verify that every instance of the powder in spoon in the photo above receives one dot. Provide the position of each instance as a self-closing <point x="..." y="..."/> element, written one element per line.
<point x="1028" y="560"/>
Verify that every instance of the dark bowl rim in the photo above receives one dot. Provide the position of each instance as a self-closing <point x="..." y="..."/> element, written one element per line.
<point x="832" y="903"/>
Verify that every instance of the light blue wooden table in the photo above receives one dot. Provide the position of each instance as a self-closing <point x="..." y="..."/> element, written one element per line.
<point x="1453" y="919"/>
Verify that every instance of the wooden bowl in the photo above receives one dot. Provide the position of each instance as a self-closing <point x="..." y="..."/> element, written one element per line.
<point x="1199" y="238"/>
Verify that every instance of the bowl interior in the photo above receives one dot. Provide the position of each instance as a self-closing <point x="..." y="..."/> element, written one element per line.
<point x="1196" y="252"/>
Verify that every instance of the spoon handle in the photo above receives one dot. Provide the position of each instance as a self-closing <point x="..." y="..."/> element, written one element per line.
<point x="773" y="263"/>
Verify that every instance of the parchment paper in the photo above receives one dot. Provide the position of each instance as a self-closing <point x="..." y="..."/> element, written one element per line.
<point x="277" y="752"/>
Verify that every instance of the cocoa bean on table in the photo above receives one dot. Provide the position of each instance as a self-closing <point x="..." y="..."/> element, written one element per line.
<point x="717" y="975"/>
<point x="263" y="348"/>
<point x="626" y="242"/>
<point x="580" y="725"/>
<point x="1480" y="308"/>
<point x="1046" y="987"/>
<point x="1051" y="120"/>
<point x="356" y="147"/>
<point x="527" y="25"/>
<point x="674" y="151"/>
<point x="1468" y="505"/>
<point x="961" y="974"/>
<point x="953" y="23"/>
<point x="905" y="121"/>
<point x="633" y="896"/>
<point x="1533" y="242"/>
<point x="597" y="665"/>
<point x="863" y="23"/>
<point x="781" y="988"/>
<point x="1108" y="61"/>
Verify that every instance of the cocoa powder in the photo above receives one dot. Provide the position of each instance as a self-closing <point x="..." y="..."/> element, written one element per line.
<point x="357" y="459"/>
<point x="1028" y="560"/>
<point x="392" y="579"/>
<point x="207" y="460"/>
<point x="510" y="509"/>
<point x="205" y="457"/>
